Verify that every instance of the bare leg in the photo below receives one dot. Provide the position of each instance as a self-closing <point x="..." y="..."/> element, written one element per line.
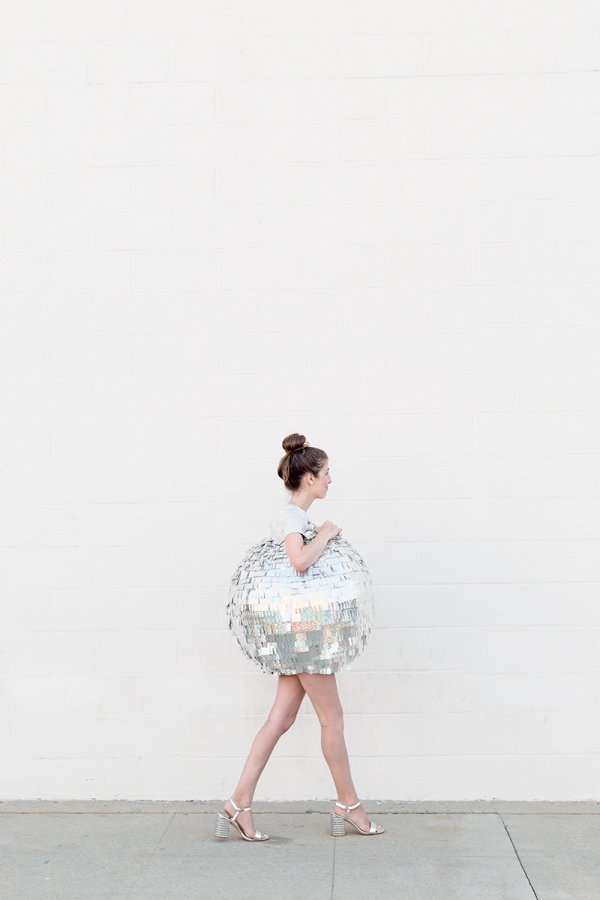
<point x="282" y="716"/>
<point x="323" y="693"/>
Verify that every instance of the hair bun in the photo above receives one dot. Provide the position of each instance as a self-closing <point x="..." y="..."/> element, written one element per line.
<point x="294" y="466"/>
<point x="293" y="442"/>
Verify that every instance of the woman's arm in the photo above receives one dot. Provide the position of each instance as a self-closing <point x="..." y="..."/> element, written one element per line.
<point x="304" y="555"/>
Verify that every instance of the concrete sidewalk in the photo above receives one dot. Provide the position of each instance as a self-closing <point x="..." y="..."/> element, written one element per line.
<point x="431" y="851"/>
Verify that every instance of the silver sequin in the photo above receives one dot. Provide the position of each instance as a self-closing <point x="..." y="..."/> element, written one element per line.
<point x="313" y="622"/>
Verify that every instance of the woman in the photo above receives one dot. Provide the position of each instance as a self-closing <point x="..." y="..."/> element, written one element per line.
<point x="305" y="645"/>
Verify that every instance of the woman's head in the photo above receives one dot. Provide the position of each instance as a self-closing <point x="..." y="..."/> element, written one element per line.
<point x="300" y="460"/>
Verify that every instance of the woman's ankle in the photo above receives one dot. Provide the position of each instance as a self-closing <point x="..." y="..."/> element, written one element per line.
<point x="241" y="801"/>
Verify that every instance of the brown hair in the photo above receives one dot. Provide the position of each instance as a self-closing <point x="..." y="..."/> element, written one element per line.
<point x="298" y="460"/>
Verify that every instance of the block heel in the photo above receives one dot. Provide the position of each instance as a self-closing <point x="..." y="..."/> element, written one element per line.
<point x="222" y="826"/>
<point x="338" y="825"/>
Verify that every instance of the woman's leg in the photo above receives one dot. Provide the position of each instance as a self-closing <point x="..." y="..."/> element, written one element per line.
<point x="323" y="694"/>
<point x="290" y="693"/>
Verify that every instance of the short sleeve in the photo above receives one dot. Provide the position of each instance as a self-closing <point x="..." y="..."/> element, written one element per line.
<point x="290" y="520"/>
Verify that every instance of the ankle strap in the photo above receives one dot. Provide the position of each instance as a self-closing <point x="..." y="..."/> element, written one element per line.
<point x="239" y="809"/>
<point x="347" y="808"/>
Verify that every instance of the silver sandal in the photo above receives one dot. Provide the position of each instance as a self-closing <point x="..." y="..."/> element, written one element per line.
<point x="338" y="823"/>
<point x="224" y="821"/>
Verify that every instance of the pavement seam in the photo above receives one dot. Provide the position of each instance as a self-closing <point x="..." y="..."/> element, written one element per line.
<point x="519" y="858"/>
<point x="390" y="807"/>
<point x="151" y="857"/>
<point x="335" y="840"/>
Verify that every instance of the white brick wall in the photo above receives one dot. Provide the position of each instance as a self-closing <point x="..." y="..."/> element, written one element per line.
<point x="373" y="222"/>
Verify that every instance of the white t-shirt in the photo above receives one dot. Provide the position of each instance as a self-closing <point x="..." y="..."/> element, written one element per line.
<point x="289" y="520"/>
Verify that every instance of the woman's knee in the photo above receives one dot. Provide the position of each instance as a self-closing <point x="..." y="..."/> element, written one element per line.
<point x="288" y="722"/>
<point x="283" y="721"/>
<point x="332" y="718"/>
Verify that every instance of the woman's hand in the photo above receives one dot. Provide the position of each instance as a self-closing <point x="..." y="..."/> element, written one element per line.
<point x="329" y="529"/>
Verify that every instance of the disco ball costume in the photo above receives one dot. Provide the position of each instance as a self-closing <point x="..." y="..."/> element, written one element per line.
<point x="291" y="622"/>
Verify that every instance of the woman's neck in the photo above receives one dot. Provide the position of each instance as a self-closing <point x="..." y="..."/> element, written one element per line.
<point x="301" y="499"/>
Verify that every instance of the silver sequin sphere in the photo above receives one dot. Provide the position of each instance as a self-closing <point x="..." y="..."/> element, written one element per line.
<point x="312" y="622"/>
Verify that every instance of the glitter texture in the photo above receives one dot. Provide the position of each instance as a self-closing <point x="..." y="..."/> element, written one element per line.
<point x="312" y="622"/>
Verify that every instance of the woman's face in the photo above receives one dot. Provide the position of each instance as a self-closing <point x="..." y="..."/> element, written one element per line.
<point x="322" y="481"/>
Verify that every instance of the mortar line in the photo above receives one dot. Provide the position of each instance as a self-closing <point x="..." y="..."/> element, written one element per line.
<point x="151" y="857"/>
<point x="519" y="858"/>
